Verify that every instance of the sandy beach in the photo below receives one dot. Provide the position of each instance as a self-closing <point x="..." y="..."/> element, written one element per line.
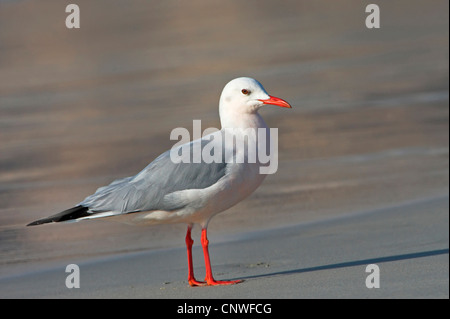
<point x="363" y="172"/>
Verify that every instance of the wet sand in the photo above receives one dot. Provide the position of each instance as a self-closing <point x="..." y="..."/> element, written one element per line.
<point x="322" y="259"/>
<point x="369" y="132"/>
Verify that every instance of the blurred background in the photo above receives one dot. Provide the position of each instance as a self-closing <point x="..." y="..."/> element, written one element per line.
<point x="81" y="107"/>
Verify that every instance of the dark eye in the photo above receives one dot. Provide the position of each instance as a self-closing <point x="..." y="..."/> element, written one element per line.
<point x="245" y="91"/>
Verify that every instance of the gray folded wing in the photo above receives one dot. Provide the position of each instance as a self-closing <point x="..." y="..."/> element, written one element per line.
<point x="148" y="190"/>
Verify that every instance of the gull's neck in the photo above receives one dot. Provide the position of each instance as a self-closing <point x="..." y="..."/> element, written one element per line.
<point x="241" y="120"/>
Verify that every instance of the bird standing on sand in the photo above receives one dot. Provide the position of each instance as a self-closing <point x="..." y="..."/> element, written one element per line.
<point x="184" y="192"/>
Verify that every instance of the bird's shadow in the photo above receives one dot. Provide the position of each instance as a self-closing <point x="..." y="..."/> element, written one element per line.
<point x="353" y="263"/>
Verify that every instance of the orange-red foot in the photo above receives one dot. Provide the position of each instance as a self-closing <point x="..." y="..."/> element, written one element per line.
<point x="213" y="282"/>
<point x="222" y="282"/>
<point x="195" y="283"/>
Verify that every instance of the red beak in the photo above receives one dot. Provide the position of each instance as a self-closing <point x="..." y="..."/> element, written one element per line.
<point x="272" y="100"/>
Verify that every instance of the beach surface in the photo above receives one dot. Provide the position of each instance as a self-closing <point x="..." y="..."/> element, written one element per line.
<point x="363" y="164"/>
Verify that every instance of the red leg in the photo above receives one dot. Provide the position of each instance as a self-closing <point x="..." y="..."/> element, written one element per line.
<point x="209" y="276"/>
<point x="191" y="279"/>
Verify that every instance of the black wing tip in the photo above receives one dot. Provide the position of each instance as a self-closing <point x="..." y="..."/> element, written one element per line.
<point x="69" y="214"/>
<point x="40" y="222"/>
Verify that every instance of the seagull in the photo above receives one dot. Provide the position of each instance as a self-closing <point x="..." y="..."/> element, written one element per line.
<point x="168" y="191"/>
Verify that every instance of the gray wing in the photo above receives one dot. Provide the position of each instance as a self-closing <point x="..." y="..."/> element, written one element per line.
<point x="148" y="189"/>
